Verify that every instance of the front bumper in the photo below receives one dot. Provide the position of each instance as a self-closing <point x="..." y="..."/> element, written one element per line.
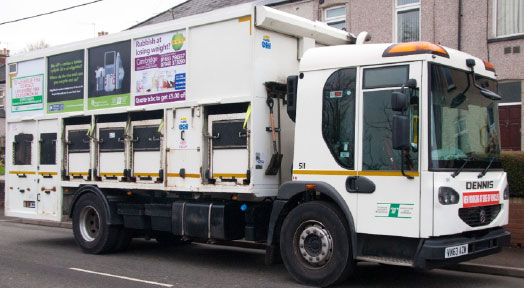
<point x="431" y="252"/>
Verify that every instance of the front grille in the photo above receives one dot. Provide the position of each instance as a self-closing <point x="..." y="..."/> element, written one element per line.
<point x="479" y="216"/>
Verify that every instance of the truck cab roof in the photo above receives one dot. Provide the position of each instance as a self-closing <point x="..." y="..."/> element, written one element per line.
<point x="333" y="57"/>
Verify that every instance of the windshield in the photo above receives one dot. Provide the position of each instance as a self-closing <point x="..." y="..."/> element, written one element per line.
<point x="463" y="123"/>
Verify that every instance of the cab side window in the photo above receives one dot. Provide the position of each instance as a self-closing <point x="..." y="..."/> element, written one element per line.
<point x="338" y="116"/>
<point x="377" y="149"/>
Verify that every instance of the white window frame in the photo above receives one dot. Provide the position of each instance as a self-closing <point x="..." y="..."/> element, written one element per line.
<point x="495" y="4"/>
<point x="402" y="8"/>
<point x="338" y="18"/>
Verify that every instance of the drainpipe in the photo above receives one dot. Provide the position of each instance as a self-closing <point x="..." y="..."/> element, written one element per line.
<point x="459" y="24"/>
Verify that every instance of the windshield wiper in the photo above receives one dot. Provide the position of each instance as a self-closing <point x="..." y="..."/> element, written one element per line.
<point x="485" y="169"/>
<point x="457" y="172"/>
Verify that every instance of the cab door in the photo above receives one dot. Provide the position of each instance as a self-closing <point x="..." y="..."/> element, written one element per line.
<point x="392" y="207"/>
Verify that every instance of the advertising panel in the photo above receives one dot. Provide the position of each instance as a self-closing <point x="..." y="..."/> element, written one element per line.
<point x="65" y="82"/>
<point x="109" y="76"/>
<point x="160" y="68"/>
<point x="27" y="88"/>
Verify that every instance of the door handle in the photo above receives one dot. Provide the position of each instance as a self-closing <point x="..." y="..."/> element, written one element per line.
<point x="38" y="197"/>
<point x="359" y="184"/>
<point x="350" y="184"/>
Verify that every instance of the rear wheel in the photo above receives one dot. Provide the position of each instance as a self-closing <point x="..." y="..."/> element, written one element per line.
<point x="315" y="244"/>
<point x="91" y="231"/>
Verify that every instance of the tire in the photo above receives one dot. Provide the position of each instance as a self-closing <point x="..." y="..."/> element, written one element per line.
<point x="315" y="244"/>
<point x="91" y="231"/>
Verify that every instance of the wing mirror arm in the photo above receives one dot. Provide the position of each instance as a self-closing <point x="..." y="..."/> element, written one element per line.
<point x="485" y="92"/>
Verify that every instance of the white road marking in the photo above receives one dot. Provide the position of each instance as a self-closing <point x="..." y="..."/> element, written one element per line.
<point x="122" y="277"/>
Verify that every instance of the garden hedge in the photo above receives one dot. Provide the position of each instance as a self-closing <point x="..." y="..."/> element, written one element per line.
<point x="513" y="164"/>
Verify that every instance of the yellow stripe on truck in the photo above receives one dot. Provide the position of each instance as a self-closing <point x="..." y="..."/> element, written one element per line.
<point x="354" y="173"/>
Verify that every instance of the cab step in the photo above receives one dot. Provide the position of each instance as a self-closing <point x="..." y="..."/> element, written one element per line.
<point x="387" y="260"/>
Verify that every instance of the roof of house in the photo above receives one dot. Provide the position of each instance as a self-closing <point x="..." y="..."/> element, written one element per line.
<point x="193" y="7"/>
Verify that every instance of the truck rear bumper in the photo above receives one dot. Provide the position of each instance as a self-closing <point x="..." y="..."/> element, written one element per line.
<point x="432" y="252"/>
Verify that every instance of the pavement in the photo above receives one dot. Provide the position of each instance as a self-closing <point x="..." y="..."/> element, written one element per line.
<point x="510" y="262"/>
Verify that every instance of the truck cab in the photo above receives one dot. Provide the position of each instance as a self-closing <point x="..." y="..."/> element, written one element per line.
<point x="405" y="138"/>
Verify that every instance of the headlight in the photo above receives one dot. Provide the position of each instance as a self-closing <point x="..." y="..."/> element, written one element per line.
<point x="506" y="192"/>
<point x="448" y="196"/>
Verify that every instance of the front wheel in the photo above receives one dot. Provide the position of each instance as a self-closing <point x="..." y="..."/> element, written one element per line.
<point x="315" y="244"/>
<point x="91" y="231"/>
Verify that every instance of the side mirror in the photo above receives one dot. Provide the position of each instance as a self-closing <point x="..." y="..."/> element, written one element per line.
<point x="412" y="83"/>
<point x="485" y="92"/>
<point x="490" y="94"/>
<point x="400" y="133"/>
<point x="399" y="101"/>
<point x="457" y="100"/>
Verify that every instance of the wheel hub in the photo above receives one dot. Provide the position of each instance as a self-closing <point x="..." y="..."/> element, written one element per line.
<point x="89" y="223"/>
<point x="315" y="244"/>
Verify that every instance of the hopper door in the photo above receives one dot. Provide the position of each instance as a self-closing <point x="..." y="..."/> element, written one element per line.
<point x="184" y="146"/>
<point x="229" y="148"/>
<point x="111" y="150"/>
<point x="22" y="195"/>
<point x="78" y="160"/>
<point x="48" y="171"/>
<point x="147" y="142"/>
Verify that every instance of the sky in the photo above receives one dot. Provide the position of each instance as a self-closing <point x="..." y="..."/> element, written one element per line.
<point x="73" y="25"/>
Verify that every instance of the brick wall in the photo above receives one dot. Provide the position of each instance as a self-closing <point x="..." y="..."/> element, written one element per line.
<point x="516" y="221"/>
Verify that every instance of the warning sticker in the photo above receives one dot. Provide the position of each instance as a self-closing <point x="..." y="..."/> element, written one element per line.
<point x="335" y="94"/>
<point x="473" y="199"/>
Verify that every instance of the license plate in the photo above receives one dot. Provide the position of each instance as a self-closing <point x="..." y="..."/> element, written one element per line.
<point x="456" y="251"/>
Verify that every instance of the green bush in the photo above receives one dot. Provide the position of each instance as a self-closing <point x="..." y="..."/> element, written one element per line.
<point x="513" y="164"/>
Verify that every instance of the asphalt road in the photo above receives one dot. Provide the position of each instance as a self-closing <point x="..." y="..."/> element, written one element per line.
<point x="38" y="256"/>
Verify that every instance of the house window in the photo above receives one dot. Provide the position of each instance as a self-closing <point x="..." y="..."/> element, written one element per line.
<point x="336" y="17"/>
<point x="407" y="20"/>
<point x="511" y="92"/>
<point x="510" y="14"/>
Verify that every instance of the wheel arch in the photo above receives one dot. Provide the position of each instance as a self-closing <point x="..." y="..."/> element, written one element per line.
<point x="110" y="208"/>
<point x="291" y="192"/>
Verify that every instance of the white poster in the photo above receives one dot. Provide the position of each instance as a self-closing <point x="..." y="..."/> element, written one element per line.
<point x="160" y="68"/>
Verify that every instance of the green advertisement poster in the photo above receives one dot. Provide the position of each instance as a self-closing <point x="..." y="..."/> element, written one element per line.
<point x="65" y="82"/>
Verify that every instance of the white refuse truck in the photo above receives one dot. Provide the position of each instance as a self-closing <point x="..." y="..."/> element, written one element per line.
<point x="251" y="124"/>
